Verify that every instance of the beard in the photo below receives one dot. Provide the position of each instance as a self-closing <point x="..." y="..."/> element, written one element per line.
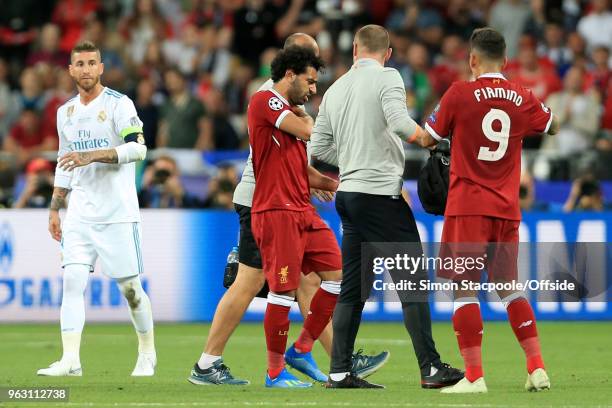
<point x="88" y="84"/>
<point x="296" y="96"/>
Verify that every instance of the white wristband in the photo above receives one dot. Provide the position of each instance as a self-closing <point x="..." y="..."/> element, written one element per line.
<point x="131" y="152"/>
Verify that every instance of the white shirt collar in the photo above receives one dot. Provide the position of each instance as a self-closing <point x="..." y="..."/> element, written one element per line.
<point x="497" y="75"/>
<point x="366" y="61"/>
<point x="283" y="100"/>
<point x="99" y="96"/>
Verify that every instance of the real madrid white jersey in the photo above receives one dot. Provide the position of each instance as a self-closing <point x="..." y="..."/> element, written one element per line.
<point x="101" y="193"/>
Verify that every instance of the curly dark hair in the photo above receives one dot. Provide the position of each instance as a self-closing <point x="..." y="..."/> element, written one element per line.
<point x="295" y="58"/>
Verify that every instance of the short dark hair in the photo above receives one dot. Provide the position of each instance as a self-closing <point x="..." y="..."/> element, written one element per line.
<point x="296" y="59"/>
<point x="84" y="46"/>
<point x="374" y="38"/>
<point x="489" y="43"/>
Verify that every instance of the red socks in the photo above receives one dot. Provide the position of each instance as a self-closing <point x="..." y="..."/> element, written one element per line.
<point x="276" y="327"/>
<point x="321" y="310"/>
<point x="467" y="323"/>
<point x="523" y="322"/>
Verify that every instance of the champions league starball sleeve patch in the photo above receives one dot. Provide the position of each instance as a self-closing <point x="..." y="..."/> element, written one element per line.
<point x="275" y="104"/>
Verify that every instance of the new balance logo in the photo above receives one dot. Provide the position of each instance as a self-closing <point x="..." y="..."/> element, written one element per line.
<point x="526" y="324"/>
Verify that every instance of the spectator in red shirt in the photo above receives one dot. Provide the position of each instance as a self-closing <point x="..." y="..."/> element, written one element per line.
<point x="49" y="51"/>
<point x="602" y="75"/>
<point x="63" y="91"/>
<point x="26" y="138"/>
<point x="606" y="120"/>
<point x="71" y="16"/>
<point x="537" y="74"/>
<point x="209" y="12"/>
<point x="446" y="70"/>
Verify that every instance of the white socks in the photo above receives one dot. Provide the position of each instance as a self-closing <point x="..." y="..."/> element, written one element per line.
<point x="338" y="376"/>
<point x="140" y="312"/>
<point x="207" y="360"/>
<point x="72" y="312"/>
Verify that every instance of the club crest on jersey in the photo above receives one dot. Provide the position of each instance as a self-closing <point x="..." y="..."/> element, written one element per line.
<point x="283" y="274"/>
<point x="101" y="116"/>
<point x="70" y="111"/>
<point x="275" y="104"/>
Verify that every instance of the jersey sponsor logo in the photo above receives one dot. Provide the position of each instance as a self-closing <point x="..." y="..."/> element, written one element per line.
<point x="275" y="104"/>
<point x="101" y="116"/>
<point x="284" y="272"/>
<point x="91" y="144"/>
<point x="86" y="142"/>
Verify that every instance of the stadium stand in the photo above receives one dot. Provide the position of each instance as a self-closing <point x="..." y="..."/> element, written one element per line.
<point x="215" y="54"/>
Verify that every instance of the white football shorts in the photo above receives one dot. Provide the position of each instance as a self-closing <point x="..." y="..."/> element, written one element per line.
<point x="116" y="245"/>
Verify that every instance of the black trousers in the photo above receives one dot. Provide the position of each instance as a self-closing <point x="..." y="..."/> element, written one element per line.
<point x="374" y="218"/>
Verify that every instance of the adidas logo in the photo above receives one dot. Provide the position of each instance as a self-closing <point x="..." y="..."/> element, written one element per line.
<point x="526" y="324"/>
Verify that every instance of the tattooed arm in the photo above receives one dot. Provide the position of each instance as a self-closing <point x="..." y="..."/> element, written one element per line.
<point x="58" y="201"/>
<point x="73" y="160"/>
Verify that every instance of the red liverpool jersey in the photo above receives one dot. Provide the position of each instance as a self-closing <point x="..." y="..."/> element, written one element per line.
<point x="279" y="159"/>
<point x="487" y="120"/>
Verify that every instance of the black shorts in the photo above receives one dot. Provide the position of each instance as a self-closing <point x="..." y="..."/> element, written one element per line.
<point x="248" y="252"/>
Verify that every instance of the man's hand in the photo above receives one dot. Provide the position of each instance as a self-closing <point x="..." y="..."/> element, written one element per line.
<point x="55" y="227"/>
<point x="72" y="160"/>
<point x="58" y="201"/>
<point x="299" y="111"/>
<point x="322" y="195"/>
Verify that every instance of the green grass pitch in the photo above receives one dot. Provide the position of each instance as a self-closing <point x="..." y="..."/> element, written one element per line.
<point x="578" y="357"/>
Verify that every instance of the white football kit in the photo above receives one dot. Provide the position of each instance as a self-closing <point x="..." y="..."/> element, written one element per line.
<point x="103" y="218"/>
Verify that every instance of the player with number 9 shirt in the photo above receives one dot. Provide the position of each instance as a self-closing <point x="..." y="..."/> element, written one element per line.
<point x="487" y="119"/>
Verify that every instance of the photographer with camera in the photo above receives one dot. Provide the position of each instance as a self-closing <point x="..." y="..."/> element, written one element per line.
<point x="585" y="195"/>
<point x="162" y="187"/>
<point x="38" y="188"/>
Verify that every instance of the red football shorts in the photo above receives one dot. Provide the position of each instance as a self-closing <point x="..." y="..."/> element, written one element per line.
<point x="471" y="243"/>
<point x="292" y="243"/>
